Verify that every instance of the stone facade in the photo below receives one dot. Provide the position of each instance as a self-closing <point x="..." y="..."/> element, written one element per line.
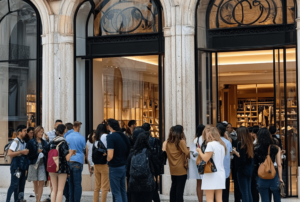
<point x="179" y="78"/>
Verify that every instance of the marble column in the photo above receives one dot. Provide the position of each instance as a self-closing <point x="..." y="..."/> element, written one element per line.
<point x="179" y="82"/>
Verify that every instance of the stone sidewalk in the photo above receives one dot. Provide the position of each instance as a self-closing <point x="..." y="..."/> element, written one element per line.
<point x="87" y="196"/>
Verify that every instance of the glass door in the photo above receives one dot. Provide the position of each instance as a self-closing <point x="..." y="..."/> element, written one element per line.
<point x="286" y="109"/>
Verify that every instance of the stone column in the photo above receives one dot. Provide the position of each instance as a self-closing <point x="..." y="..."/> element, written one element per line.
<point x="179" y="80"/>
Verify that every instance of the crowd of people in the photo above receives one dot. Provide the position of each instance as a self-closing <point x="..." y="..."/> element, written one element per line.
<point x="128" y="162"/>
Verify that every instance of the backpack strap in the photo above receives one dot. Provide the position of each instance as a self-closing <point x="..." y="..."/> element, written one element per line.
<point x="144" y="150"/>
<point x="57" y="147"/>
<point x="269" y="149"/>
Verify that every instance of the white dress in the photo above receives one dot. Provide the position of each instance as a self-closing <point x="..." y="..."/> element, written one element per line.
<point x="215" y="181"/>
<point x="193" y="170"/>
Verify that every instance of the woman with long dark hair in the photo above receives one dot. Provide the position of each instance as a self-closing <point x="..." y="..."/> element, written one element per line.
<point x="214" y="183"/>
<point x="38" y="162"/>
<point x="261" y="150"/>
<point x="100" y="163"/>
<point x="141" y="182"/>
<point x="193" y="171"/>
<point x="244" y="163"/>
<point x="177" y="153"/>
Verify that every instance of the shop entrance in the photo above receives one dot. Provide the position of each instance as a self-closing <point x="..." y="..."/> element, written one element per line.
<point x="256" y="88"/>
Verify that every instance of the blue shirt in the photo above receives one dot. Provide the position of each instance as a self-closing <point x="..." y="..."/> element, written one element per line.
<point x="76" y="142"/>
<point x="68" y="133"/>
<point x="226" y="161"/>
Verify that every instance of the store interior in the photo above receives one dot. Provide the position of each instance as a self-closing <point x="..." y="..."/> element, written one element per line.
<point x="127" y="88"/>
<point x="250" y="85"/>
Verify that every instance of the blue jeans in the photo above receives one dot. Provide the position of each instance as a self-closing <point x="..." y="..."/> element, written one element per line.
<point x="263" y="187"/>
<point x="17" y="186"/>
<point x="75" y="189"/>
<point x="245" y="187"/>
<point x="117" y="177"/>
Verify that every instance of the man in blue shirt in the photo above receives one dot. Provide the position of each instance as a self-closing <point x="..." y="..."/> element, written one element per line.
<point x="226" y="162"/>
<point x="118" y="147"/>
<point x="76" y="142"/>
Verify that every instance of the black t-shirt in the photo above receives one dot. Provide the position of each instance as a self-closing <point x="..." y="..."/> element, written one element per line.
<point x="116" y="142"/>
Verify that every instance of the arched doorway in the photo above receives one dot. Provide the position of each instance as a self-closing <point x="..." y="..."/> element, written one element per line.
<point x="247" y="65"/>
<point x="20" y="68"/>
<point x="119" y="63"/>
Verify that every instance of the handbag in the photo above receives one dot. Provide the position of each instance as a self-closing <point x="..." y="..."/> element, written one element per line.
<point x="208" y="167"/>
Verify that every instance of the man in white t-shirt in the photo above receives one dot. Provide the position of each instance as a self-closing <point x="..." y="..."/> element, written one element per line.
<point x="19" y="164"/>
<point x="49" y="136"/>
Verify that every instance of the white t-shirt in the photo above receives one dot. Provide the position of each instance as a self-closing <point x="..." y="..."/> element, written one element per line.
<point x="103" y="140"/>
<point x="90" y="148"/>
<point x="14" y="144"/>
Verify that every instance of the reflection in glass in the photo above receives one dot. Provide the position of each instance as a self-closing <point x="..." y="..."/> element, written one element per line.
<point x="125" y="17"/>
<point x="18" y="68"/>
<point x="235" y="13"/>
<point x="290" y="9"/>
<point x="127" y="88"/>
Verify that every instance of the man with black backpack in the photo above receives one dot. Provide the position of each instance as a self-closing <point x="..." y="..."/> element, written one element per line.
<point x="118" y="147"/>
<point x="156" y="148"/>
<point x="18" y="166"/>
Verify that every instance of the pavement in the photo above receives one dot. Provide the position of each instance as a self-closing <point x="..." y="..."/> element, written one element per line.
<point x="87" y="196"/>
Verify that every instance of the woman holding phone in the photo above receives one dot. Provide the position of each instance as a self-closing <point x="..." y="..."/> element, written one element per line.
<point x="38" y="162"/>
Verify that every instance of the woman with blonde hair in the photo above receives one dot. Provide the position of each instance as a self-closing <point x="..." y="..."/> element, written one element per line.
<point x="38" y="162"/>
<point x="214" y="183"/>
<point x="177" y="153"/>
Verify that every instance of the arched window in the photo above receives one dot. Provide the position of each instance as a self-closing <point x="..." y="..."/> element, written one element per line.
<point x="125" y="17"/>
<point x="235" y="13"/>
<point x="118" y="63"/>
<point x="20" y="68"/>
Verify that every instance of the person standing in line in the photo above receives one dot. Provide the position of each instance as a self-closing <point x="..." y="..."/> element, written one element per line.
<point x="254" y="190"/>
<point x="237" y="192"/>
<point x="76" y="142"/>
<point x="49" y="136"/>
<point x="261" y="150"/>
<point x="19" y="165"/>
<point x="275" y="137"/>
<point x="69" y="127"/>
<point x="230" y="132"/>
<point x="100" y="163"/>
<point x="245" y="163"/>
<point x="59" y="178"/>
<point x="129" y="131"/>
<point x="226" y="162"/>
<point x="213" y="183"/>
<point x="118" y="147"/>
<point x="193" y="170"/>
<point x="29" y="134"/>
<point x="141" y="169"/>
<point x="156" y="148"/>
<point x="89" y="151"/>
<point x="37" y="156"/>
<point x="177" y="153"/>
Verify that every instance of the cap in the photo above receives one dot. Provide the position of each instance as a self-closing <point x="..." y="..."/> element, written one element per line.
<point x="76" y="124"/>
<point x="225" y="123"/>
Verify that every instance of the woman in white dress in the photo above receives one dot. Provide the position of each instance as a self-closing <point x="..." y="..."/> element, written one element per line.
<point x="213" y="183"/>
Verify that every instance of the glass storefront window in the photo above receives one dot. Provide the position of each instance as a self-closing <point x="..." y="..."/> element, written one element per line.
<point x="126" y="88"/>
<point x="125" y="17"/>
<point x="18" y="69"/>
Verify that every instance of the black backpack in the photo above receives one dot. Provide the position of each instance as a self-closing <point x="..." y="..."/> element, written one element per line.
<point x="157" y="154"/>
<point x="139" y="167"/>
<point x="97" y="153"/>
